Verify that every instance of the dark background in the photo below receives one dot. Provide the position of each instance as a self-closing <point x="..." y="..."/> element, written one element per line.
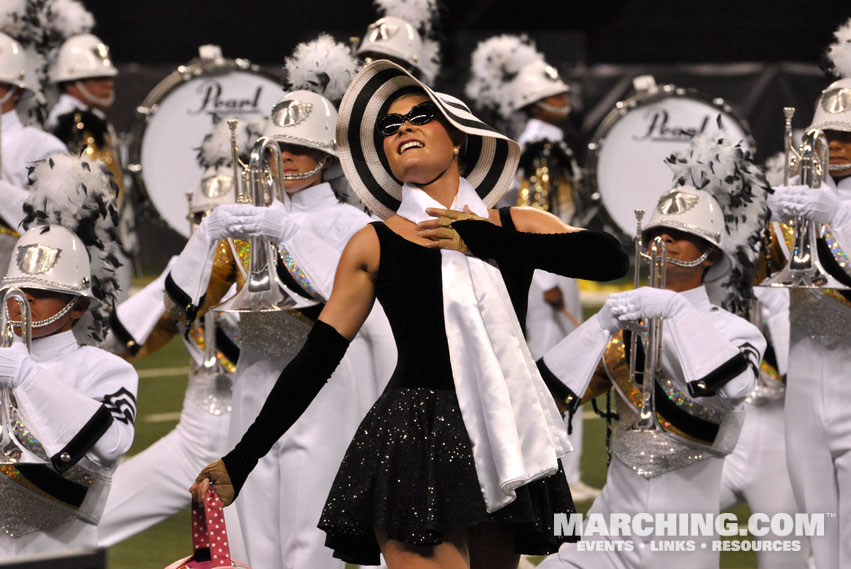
<point x="757" y="55"/>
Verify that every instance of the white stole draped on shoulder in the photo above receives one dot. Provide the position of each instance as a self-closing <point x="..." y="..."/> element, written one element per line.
<point x="510" y="416"/>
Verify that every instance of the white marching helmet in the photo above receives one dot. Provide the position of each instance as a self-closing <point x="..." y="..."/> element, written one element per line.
<point x="696" y="212"/>
<point x="394" y="38"/>
<point x="536" y="80"/>
<point x="833" y="108"/>
<point x="50" y="257"/>
<point x="304" y="118"/>
<point x="81" y="57"/>
<point x="13" y="62"/>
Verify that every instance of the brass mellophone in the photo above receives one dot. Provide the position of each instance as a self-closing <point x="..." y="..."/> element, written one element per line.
<point x="7" y="328"/>
<point x="803" y="270"/>
<point x="658" y="258"/>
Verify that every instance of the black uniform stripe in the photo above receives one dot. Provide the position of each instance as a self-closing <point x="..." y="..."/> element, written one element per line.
<point x="559" y="390"/>
<point x="77" y="447"/>
<point x="183" y="300"/>
<point x="709" y="384"/>
<point x="48" y="481"/>
<point x="124" y="336"/>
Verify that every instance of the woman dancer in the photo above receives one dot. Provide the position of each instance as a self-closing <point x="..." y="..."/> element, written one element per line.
<point x="458" y="460"/>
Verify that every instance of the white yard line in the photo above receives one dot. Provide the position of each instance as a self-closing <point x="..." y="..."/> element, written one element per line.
<point x="163" y="372"/>
<point x="161" y="417"/>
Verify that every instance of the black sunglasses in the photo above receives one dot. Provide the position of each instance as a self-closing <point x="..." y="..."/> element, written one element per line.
<point x="421" y="114"/>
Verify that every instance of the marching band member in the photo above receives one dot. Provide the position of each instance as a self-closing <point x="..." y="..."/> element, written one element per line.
<point x="75" y="404"/>
<point x="818" y="437"/>
<point x="85" y="76"/>
<point x="283" y="503"/>
<point x="413" y="486"/>
<point x="546" y="179"/>
<point x="709" y="358"/>
<point x="19" y="145"/>
<point x="151" y="486"/>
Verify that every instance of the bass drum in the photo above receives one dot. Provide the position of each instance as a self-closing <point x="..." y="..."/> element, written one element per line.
<point x="177" y="114"/>
<point x="626" y="167"/>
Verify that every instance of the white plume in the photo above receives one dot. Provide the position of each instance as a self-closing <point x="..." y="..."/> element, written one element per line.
<point x="68" y="18"/>
<point x="429" y="64"/>
<point x="19" y="19"/>
<point x="839" y="52"/>
<point x="728" y="172"/>
<point x="79" y="194"/>
<point x="495" y="63"/>
<point x="323" y="66"/>
<point x="418" y="13"/>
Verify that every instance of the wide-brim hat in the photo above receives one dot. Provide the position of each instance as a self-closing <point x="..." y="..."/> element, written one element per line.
<point x="491" y="158"/>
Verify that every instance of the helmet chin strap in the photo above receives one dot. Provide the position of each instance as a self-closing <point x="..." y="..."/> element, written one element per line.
<point x="47" y="321"/>
<point x="308" y="174"/>
<point x="838" y="167"/>
<point x="12" y="90"/>
<point x="561" y="111"/>
<point x="681" y="263"/>
<point x="99" y="101"/>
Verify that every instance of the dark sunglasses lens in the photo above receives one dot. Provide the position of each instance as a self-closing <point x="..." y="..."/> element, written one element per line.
<point x="422" y="114"/>
<point x="390" y="124"/>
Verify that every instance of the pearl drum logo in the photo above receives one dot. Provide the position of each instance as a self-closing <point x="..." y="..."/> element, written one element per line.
<point x="659" y="127"/>
<point x="215" y="100"/>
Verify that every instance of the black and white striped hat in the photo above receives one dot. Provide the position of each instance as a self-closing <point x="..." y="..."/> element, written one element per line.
<point x="491" y="158"/>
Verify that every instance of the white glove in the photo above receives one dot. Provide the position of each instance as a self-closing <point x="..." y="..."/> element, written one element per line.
<point x="607" y="320"/>
<point x="15" y="365"/>
<point x="817" y="204"/>
<point x="216" y="225"/>
<point x="271" y="223"/>
<point x="646" y="302"/>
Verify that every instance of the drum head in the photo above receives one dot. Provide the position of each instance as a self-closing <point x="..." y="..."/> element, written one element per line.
<point x="626" y="160"/>
<point x="176" y="116"/>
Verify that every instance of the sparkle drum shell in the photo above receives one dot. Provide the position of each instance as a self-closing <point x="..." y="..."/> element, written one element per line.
<point x="626" y="168"/>
<point x="173" y="119"/>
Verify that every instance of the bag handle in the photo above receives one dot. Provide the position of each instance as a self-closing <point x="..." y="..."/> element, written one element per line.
<point x="209" y="531"/>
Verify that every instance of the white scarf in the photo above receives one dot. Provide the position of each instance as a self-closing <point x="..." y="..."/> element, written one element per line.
<point x="509" y="414"/>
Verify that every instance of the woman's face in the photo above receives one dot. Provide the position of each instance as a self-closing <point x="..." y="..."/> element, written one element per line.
<point x="418" y="154"/>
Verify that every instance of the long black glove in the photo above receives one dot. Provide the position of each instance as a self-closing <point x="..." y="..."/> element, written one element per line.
<point x="591" y="255"/>
<point x="295" y="389"/>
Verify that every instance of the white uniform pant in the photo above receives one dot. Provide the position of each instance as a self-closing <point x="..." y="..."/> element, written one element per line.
<point x="692" y="488"/>
<point x="154" y="484"/>
<point x="755" y="473"/>
<point x="282" y="499"/>
<point x="818" y="440"/>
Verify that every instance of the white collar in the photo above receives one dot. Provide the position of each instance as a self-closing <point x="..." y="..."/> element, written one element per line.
<point x="10" y="120"/>
<point x="537" y="129"/>
<point x="55" y="345"/>
<point x="71" y="102"/>
<point x="415" y="201"/>
<point x="312" y="198"/>
<point x="843" y="188"/>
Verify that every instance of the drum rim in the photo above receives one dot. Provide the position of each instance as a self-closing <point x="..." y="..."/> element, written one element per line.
<point x="148" y="107"/>
<point x="621" y="108"/>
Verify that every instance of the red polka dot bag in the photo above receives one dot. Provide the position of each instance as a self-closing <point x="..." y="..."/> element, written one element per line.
<point x="209" y="538"/>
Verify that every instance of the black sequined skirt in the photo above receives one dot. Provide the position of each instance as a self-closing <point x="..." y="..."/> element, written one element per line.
<point x="409" y="471"/>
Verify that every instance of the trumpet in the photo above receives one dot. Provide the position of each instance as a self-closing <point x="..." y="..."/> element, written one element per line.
<point x="804" y="270"/>
<point x="263" y="291"/>
<point x="658" y="257"/>
<point x="7" y="327"/>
